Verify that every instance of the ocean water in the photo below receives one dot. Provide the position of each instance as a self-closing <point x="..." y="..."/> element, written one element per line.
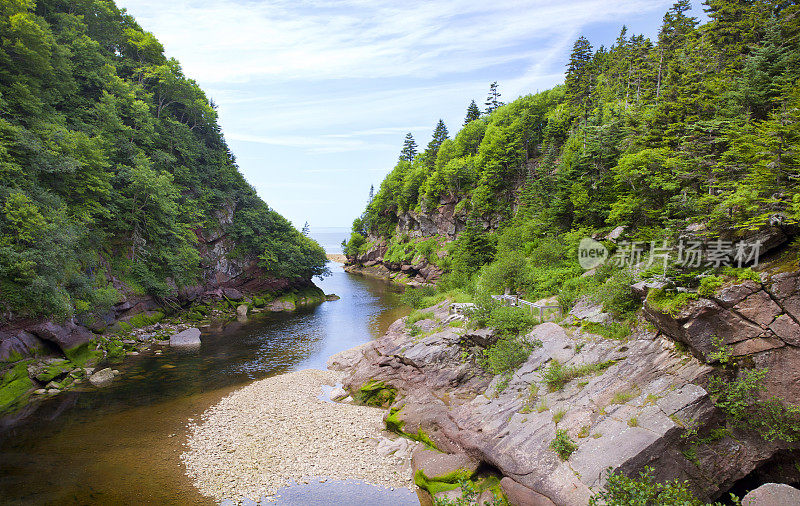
<point x="330" y="238"/>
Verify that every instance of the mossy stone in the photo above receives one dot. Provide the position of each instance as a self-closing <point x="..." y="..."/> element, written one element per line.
<point x="375" y="393"/>
<point x="15" y="387"/>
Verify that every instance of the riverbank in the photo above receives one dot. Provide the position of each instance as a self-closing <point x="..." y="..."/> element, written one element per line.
<point x="278" y="431"/>
<point x="58" y="357"/>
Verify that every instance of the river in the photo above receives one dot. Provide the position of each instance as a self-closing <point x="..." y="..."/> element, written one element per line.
<point x="121" y="444"/>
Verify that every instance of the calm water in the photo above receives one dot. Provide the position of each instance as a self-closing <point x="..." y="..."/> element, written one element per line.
<point x="330" y="238"/>
<point x="121" y="444"/>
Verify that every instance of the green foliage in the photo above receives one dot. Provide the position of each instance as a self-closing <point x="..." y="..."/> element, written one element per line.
<point x="111" y="160"/>
<point x="698" y="126"/>
<point x="556" y="376"/>
<point x="353" y="247"/>
<point x="670" y="301"/>
<point x="563" y="445"/>
<point x="509" y="320"/>
<point x="613" y="330"/>
<point x="507" y="354"/>
<point x="708" y="286"/>
<point x="619" y="490"/>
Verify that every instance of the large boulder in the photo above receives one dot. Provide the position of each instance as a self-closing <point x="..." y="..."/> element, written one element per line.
<point x="67" y="336"/>
<point x="772" y="494"/>
<point x="187" y="338"/>
<point x="19" y="344"/>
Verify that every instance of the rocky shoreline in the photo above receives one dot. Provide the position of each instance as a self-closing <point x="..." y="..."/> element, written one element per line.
<point x="583" y="404"/>
<point x="39" y="360"/>
<point x="278" y="431"/>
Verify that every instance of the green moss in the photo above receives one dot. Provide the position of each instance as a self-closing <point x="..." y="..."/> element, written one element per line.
<point x="48" y="372"/>
<point x="437" y="484"/>
<point x="396" y="425"/>
<point x="375" y="393"/>
<point x="84" y="354"/>
<point x="15" y="387"/>
<point x="125" y="327"/>
<point x="14" y="356"/>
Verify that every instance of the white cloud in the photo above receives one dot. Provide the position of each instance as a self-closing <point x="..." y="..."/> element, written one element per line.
<point x="229" y="41"/>
<point x="326" y="90"/>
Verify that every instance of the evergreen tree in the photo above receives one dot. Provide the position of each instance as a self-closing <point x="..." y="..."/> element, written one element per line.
<point x="409" y="151"/>
<point x="493" y="99"/>
<point x="473" y="113"/>
<point x="578" y="78"/>
<point x="306" y="229"/>
<point x="440" y="134"/>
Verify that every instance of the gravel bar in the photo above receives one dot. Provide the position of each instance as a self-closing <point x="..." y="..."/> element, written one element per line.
<point x="276" y="431"/>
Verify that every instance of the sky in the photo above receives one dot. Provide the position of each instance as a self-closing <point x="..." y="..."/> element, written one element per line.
<point x="315" y="97"/>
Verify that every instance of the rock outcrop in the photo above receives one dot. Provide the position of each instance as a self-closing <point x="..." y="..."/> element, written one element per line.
<point x="625" y="405"/>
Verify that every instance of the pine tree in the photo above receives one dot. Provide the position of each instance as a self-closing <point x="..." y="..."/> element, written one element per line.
<point x="578" y="78"/>
<point x="493" y="99"/>
<point x="473" y="113"/>
<point x="440" y="134"/>
<point x="306" y="229"/>
<point x="409" y="151"/>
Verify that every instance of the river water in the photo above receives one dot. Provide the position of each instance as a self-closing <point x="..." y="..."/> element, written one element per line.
<point x="121" y="444"/>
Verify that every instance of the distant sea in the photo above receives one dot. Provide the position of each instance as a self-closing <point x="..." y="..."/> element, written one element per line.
<point x="330" y="238"/>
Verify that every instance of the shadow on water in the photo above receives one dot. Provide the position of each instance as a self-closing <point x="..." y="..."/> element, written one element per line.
<point x="121" y="444"/>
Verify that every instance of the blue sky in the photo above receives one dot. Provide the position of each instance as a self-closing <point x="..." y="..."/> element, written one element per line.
<point x="316" y="97"/>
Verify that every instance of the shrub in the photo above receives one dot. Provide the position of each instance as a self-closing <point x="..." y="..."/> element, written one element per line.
<point x="643" y="491"/>
<point x="563" y="445"/>
<point x="616" y="295"/>
<point x="507" y="354"/>
<point x="352" y="247"/>
<point x="511" y="320"/>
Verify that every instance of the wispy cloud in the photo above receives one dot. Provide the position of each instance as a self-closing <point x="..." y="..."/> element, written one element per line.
<point x="326" y="90"/>
<point x="229" y="40"/>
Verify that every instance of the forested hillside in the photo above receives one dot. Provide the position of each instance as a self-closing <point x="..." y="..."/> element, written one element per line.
<point x="112" y="164"/>
<point x="697" y="129"/>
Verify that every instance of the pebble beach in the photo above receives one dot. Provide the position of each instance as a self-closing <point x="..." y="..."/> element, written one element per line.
<point x="276" y="432"/>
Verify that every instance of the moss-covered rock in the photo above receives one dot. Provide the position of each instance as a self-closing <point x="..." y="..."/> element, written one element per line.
<point x="15" y="387"/>
<point x="145" y="319"/>
<point x="48" y="371"/>
<point x="85" y="355"/>
<point x="375" y="393"/>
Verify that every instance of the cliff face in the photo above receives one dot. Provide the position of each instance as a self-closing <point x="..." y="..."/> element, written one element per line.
<point x="443" y="223"/>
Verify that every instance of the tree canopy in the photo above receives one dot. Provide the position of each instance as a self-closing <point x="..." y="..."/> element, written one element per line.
<point x="111" y="163"/>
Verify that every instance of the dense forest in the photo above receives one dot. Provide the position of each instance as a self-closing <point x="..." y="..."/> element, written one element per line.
<point x="111" y="162"/>
<point x="698" y="128"/>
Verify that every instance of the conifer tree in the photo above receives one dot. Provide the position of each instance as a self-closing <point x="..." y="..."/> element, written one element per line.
<point x="409" y="151"/>
<point x="473" y="113"/>
<point x="306" y="229"/>
<point x="493" y="99"/>
<point x="440" y="134"/>
<point x="578" y="78"/>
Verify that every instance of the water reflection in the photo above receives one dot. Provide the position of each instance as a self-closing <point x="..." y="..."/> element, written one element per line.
<point x="121" y="444"/>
